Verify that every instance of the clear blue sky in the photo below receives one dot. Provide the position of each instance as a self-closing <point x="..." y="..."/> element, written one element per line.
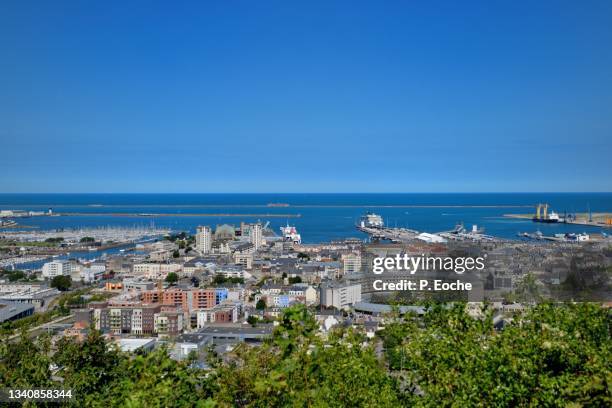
<point x="330" y="96"/>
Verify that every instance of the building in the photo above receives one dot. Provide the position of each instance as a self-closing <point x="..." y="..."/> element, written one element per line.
<point x="137" y="286"/>
<point x="225" y="232"/>
<point x="204" y="239"/>
<point x="20" y="287"/>
<point x="196" y="265"/>
<point x="244" y="260"/>
<point x="155" y="271"/>
<point x="93" y="272"/>
<point x="351" y="263"/>
<point x="132" y="345"/>
<point x="218" y="314"/>
<point x="203" y="298"/>
<point x="307" y="292"/>
<point x="186" y="300"/>
<point x="38" y="298"/>
<point x="281" y="301"/>
<point x="12" y="311"/>
<point x="113" y="286"/>
<point x="256" y="235"/>
<point x="340" y="295"/>
<point x="168" y="323"/>
<point x="229" y="271"/>
<point x="56" y="268"/>
<point x="430" y="238"/>
<point x="190" y="343"/>
<point x="221" y="295"/>
<point x="221" y="247"/>
<point x="135" y="318"/>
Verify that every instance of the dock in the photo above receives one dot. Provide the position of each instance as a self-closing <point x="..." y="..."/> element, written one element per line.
<point x="390" y="234"/>
<point x="602" y="220"/>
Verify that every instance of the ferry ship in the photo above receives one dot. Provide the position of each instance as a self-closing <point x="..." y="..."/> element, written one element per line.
<point x="371" y="220"/>
<point x="290" y="234"/>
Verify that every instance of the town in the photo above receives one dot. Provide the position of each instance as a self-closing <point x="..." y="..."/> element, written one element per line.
<point x="227" y="286"/>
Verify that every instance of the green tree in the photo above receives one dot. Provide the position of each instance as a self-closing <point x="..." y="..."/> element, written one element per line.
<point x="13" y="276"/>
<point x="87" y="240"/>
<point x="261" y="304"/>
<point x="26" y="363"/>
<point x="554" y="355"/>
<point x="295" y="279"/>
<point x="61" y="282"/>
<point x="252" y="320"/>
<point x="172" y="278"/>
<point x="296" y="368"/>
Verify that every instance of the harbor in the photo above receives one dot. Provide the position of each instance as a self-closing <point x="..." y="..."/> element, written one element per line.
<point x="373" y="225"/>
<point x="598" y="219"/>
<point x="320" y="217"/>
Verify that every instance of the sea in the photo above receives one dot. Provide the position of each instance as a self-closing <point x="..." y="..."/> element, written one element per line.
<point x="318" y="217"/>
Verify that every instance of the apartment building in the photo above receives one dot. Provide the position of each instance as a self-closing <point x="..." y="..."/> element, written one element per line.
<point x="340" y="295"/>
<point x="204" y="239"/>
<point x="155" y="271"/>
<point x="56" y="268"/>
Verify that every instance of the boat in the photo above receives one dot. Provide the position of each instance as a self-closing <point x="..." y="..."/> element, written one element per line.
<point x="542" y="215"/>
<point x="551" y="218"/>
<point x="290" y="234"/>
<point x="371" y="220"/>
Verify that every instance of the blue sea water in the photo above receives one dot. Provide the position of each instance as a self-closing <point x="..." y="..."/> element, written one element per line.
<point x="322" y="217"/>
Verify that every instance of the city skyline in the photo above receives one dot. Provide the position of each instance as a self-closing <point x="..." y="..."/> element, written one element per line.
<point x="325" y="97"/>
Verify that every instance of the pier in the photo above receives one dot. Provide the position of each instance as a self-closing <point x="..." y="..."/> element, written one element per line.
<point x="603" y="220"/>
<point x="391" y="234"/>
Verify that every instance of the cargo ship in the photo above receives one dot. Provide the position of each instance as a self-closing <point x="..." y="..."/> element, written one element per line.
<point x="542" y="215"/>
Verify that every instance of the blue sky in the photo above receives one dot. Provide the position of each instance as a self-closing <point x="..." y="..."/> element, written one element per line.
<point x="330" y="96"/>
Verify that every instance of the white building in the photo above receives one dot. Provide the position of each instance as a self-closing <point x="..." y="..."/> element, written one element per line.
<point x="204" y="239"/>
<point x="56" y="268"/>
<point x="244" y="260"/>
<point x="306" y="291"/>
<point x="230" y="271"/>
<point x="137" y="286"/>
<point x="92" y="273"/>
<point x="155" y="270"/>
<point x="351" y="263"/>
<point x="430" y="238"/>
<point x="257" y="235"/>
<point x="340" y="296"/>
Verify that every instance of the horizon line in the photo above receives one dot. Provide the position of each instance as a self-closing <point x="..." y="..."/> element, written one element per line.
<point x="320" y="192"/>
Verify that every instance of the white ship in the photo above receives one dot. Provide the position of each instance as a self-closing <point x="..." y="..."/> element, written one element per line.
<point x="371" y="220"/>
<point x="290" y="234"/>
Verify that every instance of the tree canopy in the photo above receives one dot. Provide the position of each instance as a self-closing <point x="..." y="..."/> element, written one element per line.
<point x="554" y="355"/>
<point x="61" y="282"/>
<point x="172" y="277"/>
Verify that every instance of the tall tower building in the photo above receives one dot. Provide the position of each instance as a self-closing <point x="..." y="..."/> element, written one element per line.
<point x="204" y="239"/>
<point x="256" y="235"/>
